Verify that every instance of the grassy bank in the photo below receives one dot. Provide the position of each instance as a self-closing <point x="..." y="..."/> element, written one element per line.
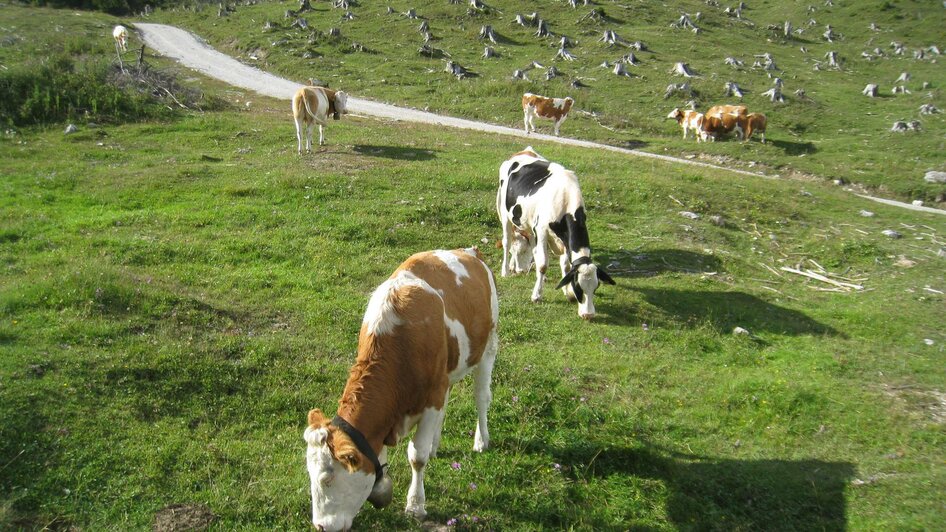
<point x="834" y="132"/>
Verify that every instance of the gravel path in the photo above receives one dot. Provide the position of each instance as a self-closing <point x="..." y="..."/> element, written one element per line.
<point x="195" y="53"/>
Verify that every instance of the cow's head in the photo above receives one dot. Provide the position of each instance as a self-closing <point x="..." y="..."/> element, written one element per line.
<point x="580" y="284"/>
<point x="342" y="477"/>
<point x="676" y="114"/>
<point x="341" y="104"/>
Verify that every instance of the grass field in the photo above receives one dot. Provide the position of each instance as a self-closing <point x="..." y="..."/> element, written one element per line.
<point x="834" y="133"/>
<point x="177" y="294"/>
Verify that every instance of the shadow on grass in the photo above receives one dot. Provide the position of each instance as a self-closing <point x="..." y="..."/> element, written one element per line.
<point x="794" y="148"/>
<point x="707" y="493"/>
<point x="654" y="262"/>
<point x="400" y="153"/>
<point x="723" y="310"/>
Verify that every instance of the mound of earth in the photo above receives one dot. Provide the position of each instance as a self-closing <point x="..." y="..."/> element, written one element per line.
<point x="183" y="517"/>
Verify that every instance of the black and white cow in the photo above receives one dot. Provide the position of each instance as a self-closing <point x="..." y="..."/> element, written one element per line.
<point x="540" y="205"/>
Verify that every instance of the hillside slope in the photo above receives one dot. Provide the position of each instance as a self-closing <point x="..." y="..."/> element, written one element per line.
<point x="833" y="131"/>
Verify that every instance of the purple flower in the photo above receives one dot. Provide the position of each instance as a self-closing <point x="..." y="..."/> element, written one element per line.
<point x="606" y="340"/>
<point x="452" y="521"/>
<point x="475" y="519"/>
<point x="472" y="486"/>
<point x="515" y="398"/>
<point x="558" y="467"/>
<point x="455" y="465"/>
<point x="644" y="326"/>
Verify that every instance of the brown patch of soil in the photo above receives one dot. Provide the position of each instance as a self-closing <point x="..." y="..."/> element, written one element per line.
<point x="183" y="517"/>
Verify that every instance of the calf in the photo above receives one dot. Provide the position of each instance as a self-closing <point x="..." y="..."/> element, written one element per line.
<point x="120" y="33"/>
<point x="313" y="105"/>
<point x="755" y="122"/>
<point x="540" y="204"/>
<point x="555" y="109"/>
<point x="687" y="119"/>
<point x="429" y="325"/>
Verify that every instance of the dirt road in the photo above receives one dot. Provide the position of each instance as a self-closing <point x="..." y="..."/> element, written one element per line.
<point x="193" y="52"/>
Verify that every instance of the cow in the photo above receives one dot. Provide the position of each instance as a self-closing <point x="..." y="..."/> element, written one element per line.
<point x="719" y="110"/>
<point x="715" y="126"/>
<point x="539" y="205"/>
<point x="555" y="109"/>
<point x="432" y="322"/>
<point x="755" y="122"/>
<point x="120" y="34"/>
<point x="687" y="119"/>
<point x="313" y="105"/>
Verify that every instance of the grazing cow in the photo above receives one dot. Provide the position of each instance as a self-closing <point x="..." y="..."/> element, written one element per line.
<point x="120" y="33"/>
<point x="313" y="105"/>
<point x="715" y="126"/>
<point x="719" y="110"/>
<point x="429" y="325"/>
<point x="687" y="119"/>
<point x="555" y="109"/>
<point x="539" y="203"/>
<point x="755" y="122"/>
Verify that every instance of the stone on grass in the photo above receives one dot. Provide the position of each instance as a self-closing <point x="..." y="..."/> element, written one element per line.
<point x="934" y="176"/>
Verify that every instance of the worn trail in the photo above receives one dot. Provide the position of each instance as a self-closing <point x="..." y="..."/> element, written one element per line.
<point x="193" y="52"/>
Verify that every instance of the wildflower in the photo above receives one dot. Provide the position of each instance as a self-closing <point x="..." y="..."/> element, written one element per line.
<point x="452" y="521"/>
<point x="455" y="466"/>
<point x="583" y="399"/>
<point x="472" y="486"/>
<point x="557" y="466"/>
<point x="515" y="398"/>
<point x="645" y="327"/>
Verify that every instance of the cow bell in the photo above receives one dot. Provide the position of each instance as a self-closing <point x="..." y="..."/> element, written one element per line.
<point x="382" y="493"/>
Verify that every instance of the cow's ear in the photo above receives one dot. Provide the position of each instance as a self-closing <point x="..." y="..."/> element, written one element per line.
<point x="568" y="278"/>
<point x="603" y="276"/>
<point x="317" y="418"/>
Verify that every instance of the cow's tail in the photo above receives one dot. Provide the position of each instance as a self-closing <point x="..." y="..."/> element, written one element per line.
<point x="308" y="110"/>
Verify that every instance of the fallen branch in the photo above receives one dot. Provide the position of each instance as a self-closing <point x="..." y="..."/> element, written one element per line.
<point x="822" y="278"/>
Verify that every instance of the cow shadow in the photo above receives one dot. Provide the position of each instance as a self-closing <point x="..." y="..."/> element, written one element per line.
<point x="727" y="310"/>
<point x="401" y="153"/>
<point x="706" y="493"/>
<point x="654" y="262"/>
<point x="794" y="148"/>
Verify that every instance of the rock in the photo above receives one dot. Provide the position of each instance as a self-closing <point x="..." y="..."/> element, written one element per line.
<point x="918" y="203"/>
<point x="718" y="220"/>
<point x="891" y="233"/>
<point x="867" y="214"/>
<point x="690" y="215"/>
<point x="739" y="331"/>
<point x="928" y="341"/>
<point x="71" y="128"/>
<point x="935" y="177"/>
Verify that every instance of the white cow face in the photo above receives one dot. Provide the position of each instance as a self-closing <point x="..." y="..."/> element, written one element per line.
<point x="580" y="285"/>
<point x="341" y="102"/>
<point x="339" y="484"/>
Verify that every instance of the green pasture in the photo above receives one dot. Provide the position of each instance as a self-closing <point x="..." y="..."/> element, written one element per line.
<point x="177" y="293"/>
<point x="834" y="133"/>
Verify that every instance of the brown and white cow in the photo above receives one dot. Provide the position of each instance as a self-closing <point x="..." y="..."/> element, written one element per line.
<point x="688" y="120"/>
<point x="313" y="105"/>
<point x="715" y="126"/>
<point x="120" y="34"/>
<point x="429" y="325"/>
<point x="719" y="110"/>
<point x="755" y="122"/>
<point x="540" y="204"/>
<point x="555" y="109"/>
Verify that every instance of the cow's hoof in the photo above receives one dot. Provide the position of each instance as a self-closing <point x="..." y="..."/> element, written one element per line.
<point x="416" y="510"/>
<point x="480" y="446"/>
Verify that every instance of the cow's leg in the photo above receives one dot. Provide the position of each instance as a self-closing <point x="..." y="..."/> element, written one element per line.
<point x="558" y="123"/>
<point x="507" y="248"/>
<point x="762" y="137"/>
<point x="525" y="120"/>
<point x="299" y="129"/>
<point x="308" y="137"/>
<point x="540" y="254"/>
<point x="418" y="453"/>
<point x="321" y="136"/>
<point x="437" y="433"/>
<point x="483" y="378"/>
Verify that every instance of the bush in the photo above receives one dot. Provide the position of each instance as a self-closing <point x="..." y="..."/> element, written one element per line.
<point x="61" y="88"/>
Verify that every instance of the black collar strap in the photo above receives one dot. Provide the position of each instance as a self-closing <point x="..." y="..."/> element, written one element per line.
<point x="361" y="443"/>
<point x="581" y="261"/>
